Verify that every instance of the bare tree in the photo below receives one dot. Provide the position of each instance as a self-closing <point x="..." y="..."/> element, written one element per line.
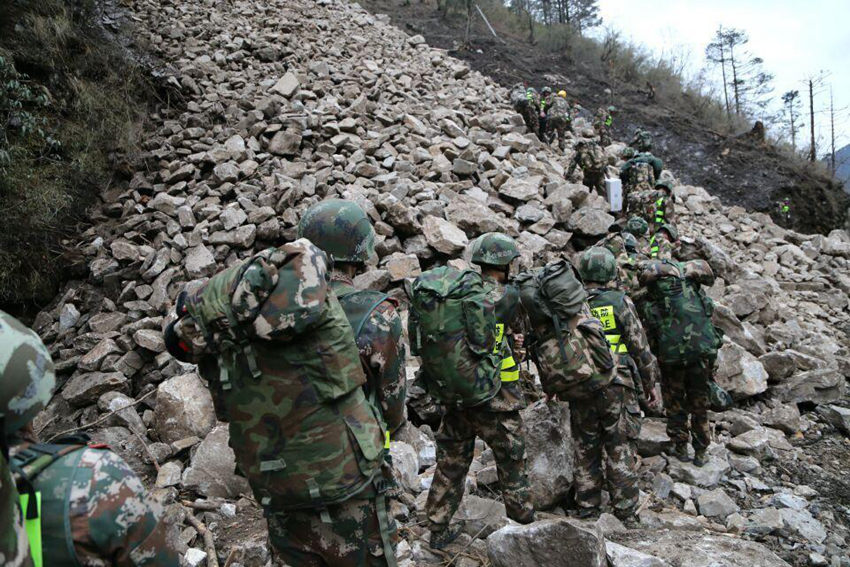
<point x="715" y="52"/>
<point x="791" y="101"/>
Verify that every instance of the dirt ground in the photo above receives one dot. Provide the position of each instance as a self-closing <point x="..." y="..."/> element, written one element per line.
<point x="737" y="170"/>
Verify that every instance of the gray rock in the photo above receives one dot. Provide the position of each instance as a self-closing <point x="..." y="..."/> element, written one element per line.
<point x="554" y="543"/>
<point x="169" y="474"/>
<point x="125" y="413"/>
<point x="739" y="372"/>
<point x="443" y="236"/>
<point x="68" y="317"/>
<point x="716" y="504"/>
<point x="199" y="262"/>
<point x="837" y="416"/>
<point x="521" y="189"/>
<point x="150" y="339"/>
<point x="472" y="216"/>
<point x="764" y="521"/>
<point x="549" y="452"/>
<point x="702" y="549"/>
<point x="286" y="86"/>
<point x="85" y="389"/>
<point x="226" y="173"/>
<point x="754" y="443"/>
<point x="821" y="386"/>
<point x="94" y="358"/>
<point x="372" y="279"/>
<point x="401" y="266"/>
<point x="285" y="143"/>
<point x="464" y="167"/>
<point x="481" y="516"/>
<point x="165" y="203"/>
<point x="801" y="523"/>
<point x="706" y="476"/>
<point x="184" y="408"/>
<point x="405" y="465"/>
<point x="622" y="556"/>
<point x="212" y="468"/>
<point x="779" y="365"/>
<point x="590" y="222"/>
<point x="653" y="439"/>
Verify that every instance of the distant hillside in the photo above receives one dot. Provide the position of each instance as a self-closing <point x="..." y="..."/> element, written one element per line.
<point x="842" y="166"/>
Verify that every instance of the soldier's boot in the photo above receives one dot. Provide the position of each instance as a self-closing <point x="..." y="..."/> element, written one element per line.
<point x="680" y="451"/>
<point x="587" y="512"/>
<point x="442" y="538"/>
<point x="700" y="458"/>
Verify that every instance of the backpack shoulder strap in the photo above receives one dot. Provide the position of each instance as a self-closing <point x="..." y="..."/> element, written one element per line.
<point x="359" y="305"/>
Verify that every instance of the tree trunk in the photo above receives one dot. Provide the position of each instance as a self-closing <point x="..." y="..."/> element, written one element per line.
<point x="812" y="149"/>
<point x="735" y="85"/>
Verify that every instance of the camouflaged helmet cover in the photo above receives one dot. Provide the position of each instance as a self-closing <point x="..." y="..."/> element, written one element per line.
<point x="494" y="249"/>
<point x="341" y="229"/>
<point x="671" y="230"/>
<point x="27" y="379"/>
<point x="630" y="241"/>
<point x="664" y="184"/>
<point x="637" y="226"/>
<point x="597" y="264"/>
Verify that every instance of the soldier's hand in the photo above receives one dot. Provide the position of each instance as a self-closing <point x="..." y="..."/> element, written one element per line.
<point x="519" y="340"/>
<point x="652" y="398"/>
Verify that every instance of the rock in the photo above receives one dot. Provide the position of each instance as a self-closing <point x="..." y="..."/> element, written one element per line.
<point x="200" y="262"/>
<point x="464" y="167"/>
<point x="125" y="414"/>
<point x="372" y="279"/>
<point x="481" y="516"/>
<point x="85" y="389"/>
<point x="405" y="465"/>
<point x="785" y="417"/>
<point x="702" y="549"/>
<point x="226" y="173"/>
<point x="739" y="372"/>
<point x="472" y="216"/>
<point x="820" y="386"/>
<point x="590" y="222"/>
<point x="184" y="407"/>
<point x="779" y="365"/>
<point x="753" y="443"/>
<point x="92" y="359"/>
<point x="521" y="189"/>
<point x="68" y="317"/>
<point x="716" y="504"/>
<point x="801" y="523"/>
<point x="285" y="143"/>
<point x="549" y="452"/>
<point x="165" y="203"/>
<point x="837" y="416"/>
<point x="149" y="339"/>
<point x="443" y="236"/>
<point x="622" y="556"/>
<point x="706" y="476"/>
<point x="653" y="439"/>
<point x="662" y="485"/>
<point x="169" y="474"/>
<point x="554" y="543"/>
<point x="764" y="521"/>
<point x="286" y="85"/>
<point x="195" y="557"/>
<point x="401" y="266"/>
<point x="212" y="468"/>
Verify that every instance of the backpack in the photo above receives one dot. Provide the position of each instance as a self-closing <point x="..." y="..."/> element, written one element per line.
<point x="570" y="349"/>
<point x="288" y="377"/>
<point x="642" y="176"/>
<point x="452" y="327"/>
<point x="677" y="312"/>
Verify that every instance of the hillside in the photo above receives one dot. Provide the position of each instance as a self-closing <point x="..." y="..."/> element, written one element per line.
<point x="734" y="168"/>
<point x="842" y="166"/>
<point x="287" y="102"/>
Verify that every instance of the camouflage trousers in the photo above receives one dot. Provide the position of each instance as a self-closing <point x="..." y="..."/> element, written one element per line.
<point x="600" y="424"/>
<point x="595" y="179"/>
<point x="604" y="136"/>
<point x="503" y="433"/>
<point x="532" y="119"/>
<point x="685" y="393"/>
<point x="348" y="535"/>
<point x="558" y="126"/>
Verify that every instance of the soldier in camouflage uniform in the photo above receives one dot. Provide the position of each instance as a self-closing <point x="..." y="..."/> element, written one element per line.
<point x="559" y="119"/>
<point x="526" y="102"/>
<point x="639" y="228"/>
<point x="343" y="231"/>
<point x="94" y="509"/>
<point x="662" y="245"/>
<point x="591" y="158"/>
<point x="602" y="121"/>
<point x="642" y="141"/>
<point x="624" y="332"/>
<point x="663" y="209"/>
<point x="685" y="386"/>
<point x="496" y="421"/>
<point x="638" y="175"/>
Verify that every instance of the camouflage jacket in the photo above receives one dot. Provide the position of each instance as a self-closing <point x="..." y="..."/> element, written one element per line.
<point x="602" y="119"/>
<point x="558" y="107"/>
<point x="589" y="157"/>
<point x="627" y="264"/>
<point x="14" y="546"/>
<point x="510" y="396"/>
<point x="661" y="248"/>
<point x="95" y="506"/>
<point x="382" y="348"/>
<point x="629" y="332"/>
<point x="645" y="157"/>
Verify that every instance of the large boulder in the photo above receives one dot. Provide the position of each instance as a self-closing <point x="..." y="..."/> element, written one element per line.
<point x="184" y="408"/>
<point x="589" y="221"/>
<point x="697" y="549"/>
<point x="821" y="386"/>
<point x="212" y="471"/>
<point x="443" y="236"/>
<point x="549" y="452"/>
<point x="739" y="372"/>
<point x="521" y="189"/>
<point x="553" y="543"/>
<point x="473" y="216"/>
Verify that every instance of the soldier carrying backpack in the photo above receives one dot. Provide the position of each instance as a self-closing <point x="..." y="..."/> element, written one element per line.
<point x="677" y="314"/>
<point x="81" y="503"/>
<point x="575" y="362"/>
<point x="275" y="345"/>
<point x="460" y="325"/>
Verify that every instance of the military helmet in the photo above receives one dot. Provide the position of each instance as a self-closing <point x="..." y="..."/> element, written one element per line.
<point x="612" y="109"/>
<point x="663" y="183"/>
<point x="628" y="153"/>
<point x="630" y="242"/>
<point x="27" y="379"/>
<point x="340" y="228"/>
<point x="562" y="94"/>
<point x="671" y="230"/>
<point x="637" y="226"/>
<point x="598" y="265"/>
<point x="494" y="249"/>
<point x="546" y="90"/>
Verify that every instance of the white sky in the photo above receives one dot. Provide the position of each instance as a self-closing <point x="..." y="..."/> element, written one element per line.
<point x="796" y="38"/>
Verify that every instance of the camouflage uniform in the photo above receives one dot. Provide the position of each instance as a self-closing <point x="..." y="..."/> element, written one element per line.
<point x="94" y="504"/>
<point x="661" y="247"/>
<point x="590" y="157"/>
<point x="14" y="546"/>
<point x="499" y="424"/>
<point x="642" y="140"/>
<point x="559" y="120"/>
<point x="602" y="121"/>
<point x="382" y="352"/>
<point x="638" y="175"/>
<point x="527" y="104"/>
<point x="662" y="208"/>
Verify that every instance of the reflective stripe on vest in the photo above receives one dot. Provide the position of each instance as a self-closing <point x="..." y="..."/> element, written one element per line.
<point x="605" y="314"/>
<point x="33" y="527"/>
<point x="653" y="247"/>
<point x="510" y="370"/>
<point x="659" y="211"/>
<point x="609" y="120"/>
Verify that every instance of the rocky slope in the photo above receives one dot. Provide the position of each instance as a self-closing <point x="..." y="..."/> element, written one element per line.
<point x="292" y="101"/>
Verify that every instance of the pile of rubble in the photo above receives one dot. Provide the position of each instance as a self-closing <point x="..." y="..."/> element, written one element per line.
<point x="288" y="102"/>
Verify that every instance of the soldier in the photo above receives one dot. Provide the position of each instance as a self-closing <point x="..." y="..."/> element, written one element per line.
<point x="641" y="141"/>
<point x="497" y="421"/>
<point x="94" y="509"/>
<point x="678" y="315"/>
<point x="14" y="544"/>
<point x="638" y="175"/>
<point x="663" y="207"/>
<point x="343" y="231"/>
<point x="662" y="245"/>
<point x="602" y="122"/>
<point x="526" y="102"/>
<point x="559" y="119"/>
<point x="624" y="332"/>
<point x="639" y="228"/>
<point x="591" y="158"/>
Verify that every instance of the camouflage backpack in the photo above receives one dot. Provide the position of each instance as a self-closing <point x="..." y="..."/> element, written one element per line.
<point x="677" y="312"/>
<point x="642" y="177"/>
<point x="288" y="377"/>
<point x="452" y="327"/>
<point x="593" y="158"/>
<point x="569" y="347"/>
